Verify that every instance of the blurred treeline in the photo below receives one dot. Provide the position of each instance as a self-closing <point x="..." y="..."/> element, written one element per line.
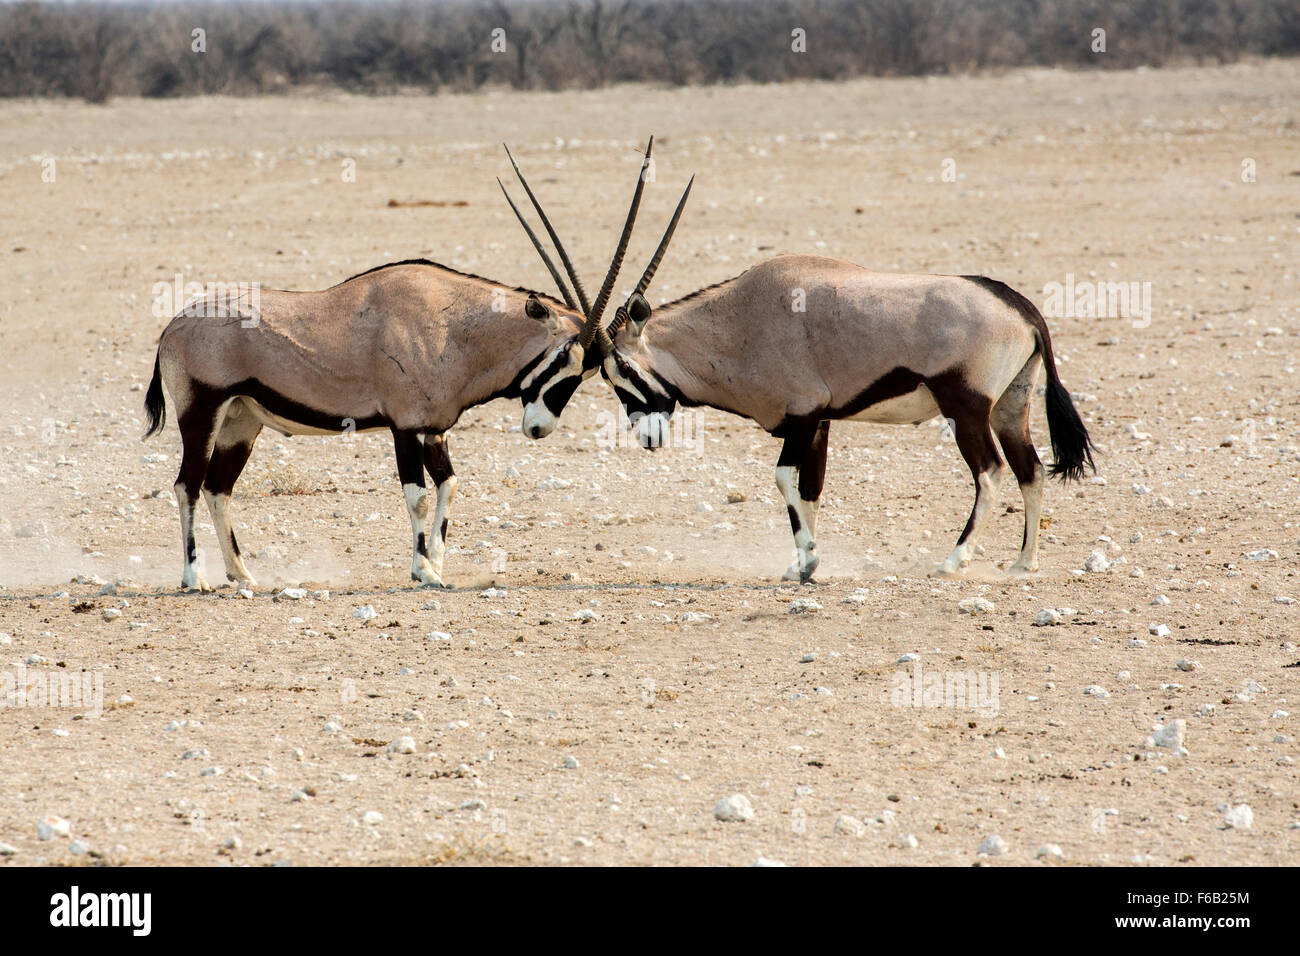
<point x="96" y="51"/>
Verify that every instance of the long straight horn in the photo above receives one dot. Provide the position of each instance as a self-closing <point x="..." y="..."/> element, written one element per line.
<point x="537" y="244"/>
<point x="598" y="307"/>
<point x="621" y="315"/>
<point x="550" y="231"/>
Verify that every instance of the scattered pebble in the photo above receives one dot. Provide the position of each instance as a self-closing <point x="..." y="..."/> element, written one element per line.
<point x="993" y="846"/>
<point x="733" y="809"/>
<point x="849" y="826"/>
<point x="402" y="745"/>
<point x="976" y="605"/>
<point x="1239" y="817"/>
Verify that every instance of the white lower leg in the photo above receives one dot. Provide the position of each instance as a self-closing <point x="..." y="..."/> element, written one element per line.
<point x="805" y="514"/>
<point x="417" y="505"/>
<point x="986" y="495"/>
<point x="446" y="492"/>
<point x="192" y="574"/>
<point x="1033" y="495"/>
<point x="219" y="506"/>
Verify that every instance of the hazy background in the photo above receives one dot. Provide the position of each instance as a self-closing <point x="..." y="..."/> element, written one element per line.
<point x="98" y="50"/>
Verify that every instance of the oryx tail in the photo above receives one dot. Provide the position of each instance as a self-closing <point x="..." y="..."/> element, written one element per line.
<point x="1071" y="446"/>
<point x="154" y="405"/>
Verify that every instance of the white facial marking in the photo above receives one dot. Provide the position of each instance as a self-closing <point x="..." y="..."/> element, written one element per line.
<point x="652" y="430"/>
<point x="539" y="421"/>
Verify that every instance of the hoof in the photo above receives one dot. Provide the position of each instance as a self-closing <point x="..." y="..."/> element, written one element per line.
<point x="199" y="586"/>
<point x="426" y="578"/>
<point x="943" y="571"/>
<point x="801" y="573"/>
<point x="1022" y="570"/>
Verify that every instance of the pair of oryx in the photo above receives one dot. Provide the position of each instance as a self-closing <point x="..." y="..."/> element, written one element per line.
<point x="411" y="345"/>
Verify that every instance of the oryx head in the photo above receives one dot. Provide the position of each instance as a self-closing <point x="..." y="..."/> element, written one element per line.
<point x="648" y="399"/>
<point x="556" y="376"/>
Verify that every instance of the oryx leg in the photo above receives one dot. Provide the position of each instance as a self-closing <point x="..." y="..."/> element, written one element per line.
<point x="1010" y="420"/>
<point x="800" y="474"/>
<point x="198" y="426"/>
<point x="969" y="414"/>
<point x="234" y="443"/>
<point x="410" y="469"/>
<point x="438" y="464"/>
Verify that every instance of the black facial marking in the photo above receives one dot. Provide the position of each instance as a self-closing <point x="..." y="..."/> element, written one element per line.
<point x="557" y="361"/>
<point x="556" y="397"/>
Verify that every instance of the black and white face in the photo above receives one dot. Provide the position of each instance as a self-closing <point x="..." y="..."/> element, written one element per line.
<point x="547" y="388"/>
<point x="645" y="398"/>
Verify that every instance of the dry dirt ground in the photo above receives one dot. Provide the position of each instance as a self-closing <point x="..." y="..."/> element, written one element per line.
<point x="268" y="719"/>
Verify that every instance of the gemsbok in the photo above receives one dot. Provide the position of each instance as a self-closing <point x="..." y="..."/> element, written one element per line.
<point x="407" y="347"/>
<point x="797" y="342"/>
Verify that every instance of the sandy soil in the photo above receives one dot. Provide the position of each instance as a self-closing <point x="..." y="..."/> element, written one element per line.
<point x="690" y="685"/>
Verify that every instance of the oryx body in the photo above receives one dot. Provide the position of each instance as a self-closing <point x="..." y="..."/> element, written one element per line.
<point x="800" y="341"/>
<point x="406" y="347"/>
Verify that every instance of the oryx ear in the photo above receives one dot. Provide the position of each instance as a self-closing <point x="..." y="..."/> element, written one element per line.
<point x="638" y="313"/>
<point x="535" y="308"/>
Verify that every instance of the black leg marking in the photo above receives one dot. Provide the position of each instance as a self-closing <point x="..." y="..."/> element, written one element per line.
<point x="794" y="519"/>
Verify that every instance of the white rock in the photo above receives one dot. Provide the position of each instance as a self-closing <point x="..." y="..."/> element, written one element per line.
<point x="437" y="636"/>
<point x="1047" y="617"/>
<point x="364" y="613"/>
<point x="1095" y="690"/>
<point x="52" y="826"/>
<point x="1136" y="643"/>
<point x="804" y="606"/>
<point x="1170" y="736"/>
<point x="808" y="658"/>
<point x="79" y="848"/>
<point x="492" y="593"/>
<point x="402" y="745"/>
<point x="571" y="763"/>
<point x="908" y="658"/>
<point x="993" y="846"/>
<point x="764" y="861"/>
<point x="1263" y="554"/>
<point x="293" y="594"/>
<point x="976" y="605"/>
<point x="1049" y="851"/>
<point x="585" y="615"/>
<point x="372" y="818"/>
<point x="111" y="614"/>
<point x="1239" y="817"/>
<point x="7" y="849"/>
<point x="849" y="826"/>
<point x="1159" y="630"/>
<point x="733" y="809"/>
<point x="908" y="841"/>
<point x="1160" y="600"/>
<point x="1183" y="664"/>
<point x="1096" y="562"/>
<point x="694" y="617"/>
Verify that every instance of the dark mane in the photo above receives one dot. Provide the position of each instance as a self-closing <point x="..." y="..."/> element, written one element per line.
<point x="550" y="299"/>
<point x="699" y="292"/>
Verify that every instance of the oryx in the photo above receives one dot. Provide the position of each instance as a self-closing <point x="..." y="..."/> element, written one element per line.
<point x="799" y="341"/>
<point x="407" y="346"/>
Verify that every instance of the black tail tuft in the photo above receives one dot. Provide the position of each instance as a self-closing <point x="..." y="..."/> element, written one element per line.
<point x="1071" y="446"/>
<point x="154" y="406"/>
